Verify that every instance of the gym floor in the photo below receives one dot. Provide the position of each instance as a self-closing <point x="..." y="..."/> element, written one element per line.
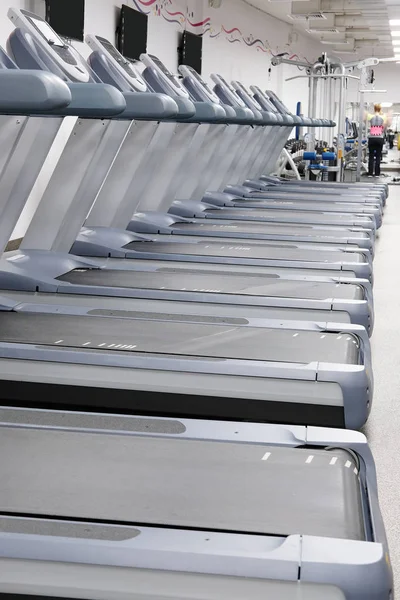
<point x="383" y="427"/>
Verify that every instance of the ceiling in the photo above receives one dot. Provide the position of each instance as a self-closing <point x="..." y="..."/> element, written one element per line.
<point x="345" y="27"/>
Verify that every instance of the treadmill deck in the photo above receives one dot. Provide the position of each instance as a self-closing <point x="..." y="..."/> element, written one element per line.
<point x="273" y="251"/>
<point x="268" y="285"/>
<point x="274" y="214"/>
<point x="179" y="483"/>
<point x="172" y="337"/>
<point x="296" y="229"/>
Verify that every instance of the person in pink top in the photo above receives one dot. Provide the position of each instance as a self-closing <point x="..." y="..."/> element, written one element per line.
<point x="376" y="139"/>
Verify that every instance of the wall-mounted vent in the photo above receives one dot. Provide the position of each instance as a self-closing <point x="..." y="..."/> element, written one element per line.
<point x="322" y="30"/>
<point x="316" y="15"/>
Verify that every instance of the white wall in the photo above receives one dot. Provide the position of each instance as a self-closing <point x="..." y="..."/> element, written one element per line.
<point x="239" y="42"/>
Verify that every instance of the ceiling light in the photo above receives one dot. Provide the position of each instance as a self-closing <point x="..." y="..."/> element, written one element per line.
<point x="386" y="104"/>
<point x="396" y="42"/>
<point x="394" y="22"/>
<point x="335" y="42"/>
<point x="395" y="33"/>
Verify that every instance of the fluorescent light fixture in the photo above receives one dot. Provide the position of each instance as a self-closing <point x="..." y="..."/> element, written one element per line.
<point x="395" y="33"/>
<point x="386" y="104"/>
<point x="396" y="42"/>
<point x="334" y="42"/>
<point x="394" y="22"/>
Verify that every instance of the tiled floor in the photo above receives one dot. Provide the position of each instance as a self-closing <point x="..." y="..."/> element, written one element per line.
<point x="383" y="427"/>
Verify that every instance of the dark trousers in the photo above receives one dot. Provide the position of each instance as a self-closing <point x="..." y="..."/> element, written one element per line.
<point x="375" y="147"/>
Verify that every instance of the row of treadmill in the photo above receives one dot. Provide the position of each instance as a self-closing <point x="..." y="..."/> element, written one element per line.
<point x="185" y="356"/>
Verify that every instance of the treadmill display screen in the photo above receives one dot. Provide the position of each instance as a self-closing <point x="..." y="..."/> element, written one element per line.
<point x="165" y="71"/>
<point x="67" y="17"/>
<point x="264" y="102"/>
<point x="196" y="76"/>
<point x="238" y="100"/>
<point x="47" y="32"/>
<point x="117" y="56"/>
<point x="132" y="33"/>
<point x="250" y="102"/>
<point x="191" y="50"/>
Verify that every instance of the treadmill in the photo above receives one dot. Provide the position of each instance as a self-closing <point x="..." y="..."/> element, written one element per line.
<point x="74" y="356"/>
<point x="120" y="205"/>
<point x="292" y="204"/>
<point x="41" y="270"/>
<point x="266" y="189"/>
<point x="378" y="190"/>
<point x="112" y="211"/>
<point x="187" y="503"/>
<point x="200" y="91"/>
<point x="266" y="195"/>
<point x="359" y="188"/>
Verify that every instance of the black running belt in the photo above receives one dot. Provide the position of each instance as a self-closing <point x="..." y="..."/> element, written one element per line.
<point x="259" y="212"/>
<point x="263" y="285"/>
<point x="282" y="216"/>
<point x="247" y="250"/>
<point x="304" y="206"/>
<point x="323" y="201"/>
<point x="172" y="338"/>
<point x="179" y="483"/>
<point x="298" y="229"/>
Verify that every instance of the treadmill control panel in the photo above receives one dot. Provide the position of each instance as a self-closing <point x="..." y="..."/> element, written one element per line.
<point x="43" y="42"/>
<point x="231" y="97"/>
<point x="164" y="76"/>
<point x="199" y="83"/>
<point x="247" y="99"/>
<point x="278" y="103"/>
<point x="265" y="102"/>
<point x="119" y="62"/>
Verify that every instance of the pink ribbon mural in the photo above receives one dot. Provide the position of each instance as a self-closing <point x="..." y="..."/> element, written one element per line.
<point x="166" y="10"/>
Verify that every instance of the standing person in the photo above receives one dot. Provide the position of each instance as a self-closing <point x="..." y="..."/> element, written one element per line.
<point x="391" y="138"/>
<point x="376" y="139"/>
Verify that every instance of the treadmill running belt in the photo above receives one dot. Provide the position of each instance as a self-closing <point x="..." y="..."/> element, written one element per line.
<point x="264" y="285"/>
<point x="298" y="229"/>
<point x="285" y="216"/>
<point x="176" y="338"/>
<point x="134" y="480"/>
<point x="246" y="250"/>
<point x="281" y="229"/>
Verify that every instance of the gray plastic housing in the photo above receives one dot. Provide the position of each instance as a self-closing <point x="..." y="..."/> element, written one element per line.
<point x="24" y="92"/>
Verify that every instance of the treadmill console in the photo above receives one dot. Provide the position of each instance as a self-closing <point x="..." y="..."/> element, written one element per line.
<point x="262" y="99"/>
<point x="118" y="62"/>
<point x="161" y="79"/>
<point x="228" y="94"/>
<point x="278" y="103"/>
<point x="196" y="85"/>
<point x="245" y="96"/>
<point x="34" y="39"/>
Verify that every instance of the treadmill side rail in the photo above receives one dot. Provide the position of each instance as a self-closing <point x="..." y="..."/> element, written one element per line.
<point x="62" y="580"/>
<point x="359" y="569"/>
